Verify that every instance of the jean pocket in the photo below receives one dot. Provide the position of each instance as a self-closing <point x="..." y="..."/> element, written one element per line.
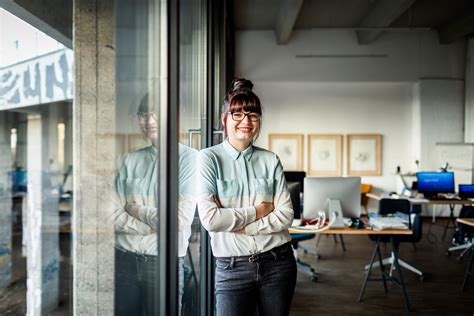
<point x="223" y="264"/>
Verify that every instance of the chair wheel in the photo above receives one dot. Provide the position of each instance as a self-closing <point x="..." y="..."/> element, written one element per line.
<point x="314" y="279"/>
<point x="422" y="278"/>
<point x="448" y="253"/>
<point x="459" y="259"/>
<point x="318" y="257"/>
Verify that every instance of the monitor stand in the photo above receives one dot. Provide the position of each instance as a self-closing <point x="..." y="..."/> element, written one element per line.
<point x="334" y="207"/>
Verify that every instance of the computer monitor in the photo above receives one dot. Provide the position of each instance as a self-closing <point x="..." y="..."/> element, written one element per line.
<point x="296" y="176"/>
<point x="466" y="191"/>
<point x="432" y="183"/>
<point x="319" y="192"/>
<point x="294" y="189"/>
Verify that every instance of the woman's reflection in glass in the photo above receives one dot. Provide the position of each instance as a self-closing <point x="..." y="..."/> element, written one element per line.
<point x="136" y="220"/>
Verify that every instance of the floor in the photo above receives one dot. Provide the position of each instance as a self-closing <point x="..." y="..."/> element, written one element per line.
<point x="340" y="276"/>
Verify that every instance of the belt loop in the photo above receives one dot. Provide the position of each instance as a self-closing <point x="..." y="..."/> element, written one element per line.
<point x="232" y="262"/>
<point x="274" y="254"/>
<point x="140" y="257"/>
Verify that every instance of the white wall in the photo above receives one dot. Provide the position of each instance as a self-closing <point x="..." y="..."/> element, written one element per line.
<point x="343" y="108"/>
<point x="348" y="88"/>
<point x="409" y="56"/>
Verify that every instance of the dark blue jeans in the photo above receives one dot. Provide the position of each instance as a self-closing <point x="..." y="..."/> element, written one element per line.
<point x="136" y="283"/>
<point x="264" y="282"/>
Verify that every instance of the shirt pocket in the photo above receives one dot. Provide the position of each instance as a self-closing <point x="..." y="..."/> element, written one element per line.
<point x="227" y="189"/>
<point x="135" y="189"/>
<point x="264" y="190"/>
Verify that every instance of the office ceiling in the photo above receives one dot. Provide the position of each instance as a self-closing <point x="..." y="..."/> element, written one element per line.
<point x="453" y="19"/>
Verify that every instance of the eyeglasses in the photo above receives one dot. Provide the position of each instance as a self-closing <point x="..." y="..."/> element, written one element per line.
<point x="239" y="116"/>
<point x="143" y="116"/>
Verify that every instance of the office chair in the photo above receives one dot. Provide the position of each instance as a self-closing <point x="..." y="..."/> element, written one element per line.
<point x="294" y="188"/>
<point x="364" y="199"/>
<point x="391" y="206"/>
<point x="470" y="233"/>
<point x="466" y="212"/>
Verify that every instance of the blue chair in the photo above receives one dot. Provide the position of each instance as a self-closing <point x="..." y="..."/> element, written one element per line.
<point x="294" y="188"/>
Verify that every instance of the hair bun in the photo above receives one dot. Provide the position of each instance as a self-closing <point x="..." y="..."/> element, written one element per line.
<point x="239" y="84"/>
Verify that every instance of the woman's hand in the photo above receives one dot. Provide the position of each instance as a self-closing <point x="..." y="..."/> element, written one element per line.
<point x="263" y="209"/>
<point x="132" y="209"/>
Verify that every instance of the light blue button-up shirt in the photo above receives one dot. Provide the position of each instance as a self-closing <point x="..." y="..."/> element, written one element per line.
<point x="241" y="181"/>
<point x="137" y="182"/>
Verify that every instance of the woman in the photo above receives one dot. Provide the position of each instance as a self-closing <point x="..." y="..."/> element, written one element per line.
<point x="245" y="205"/>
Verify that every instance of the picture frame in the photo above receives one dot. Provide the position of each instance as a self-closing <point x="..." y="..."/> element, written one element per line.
<point x="289" y="148"/>
<point x="325" y="154"/>
<point x="364" y="155"/>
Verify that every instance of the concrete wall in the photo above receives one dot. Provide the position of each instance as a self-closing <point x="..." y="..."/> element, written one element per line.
<point x="94" y="110"/>
<point x="469" y="117"/>
<point x="5" y="202"/>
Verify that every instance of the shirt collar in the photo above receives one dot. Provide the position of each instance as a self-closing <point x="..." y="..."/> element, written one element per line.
<point x="234" y="153"/>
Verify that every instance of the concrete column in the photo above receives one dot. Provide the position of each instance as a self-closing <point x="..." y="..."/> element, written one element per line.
<point x="94" y="156"/>
<point x="42" y="215"/>
<point x="442" y="118"/>
<point x="5" y="203"/>
<point x="469" y="114"/>
<point x="441" y="114"/>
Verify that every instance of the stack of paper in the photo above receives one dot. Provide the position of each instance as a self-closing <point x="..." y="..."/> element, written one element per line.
<point x="382" y="223"/>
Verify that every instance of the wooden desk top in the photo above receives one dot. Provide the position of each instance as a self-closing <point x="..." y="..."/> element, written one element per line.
<point x="421" y="201"/>
<point x="466" y="221"/>
<point x="351" y="231"/>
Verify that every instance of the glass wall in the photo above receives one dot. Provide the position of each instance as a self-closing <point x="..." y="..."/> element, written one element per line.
<point x="144" y="95"/>
<point x="97" y="198"/>
<point x="193" y="73"/>
<point x="140" y="75"/>
<point x="36" y="89"/>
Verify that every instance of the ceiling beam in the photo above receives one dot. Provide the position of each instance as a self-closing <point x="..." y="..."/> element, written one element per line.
<point x="382" y="14"/>
<point x="287" y="15"/>
<point x="52" y="17"/>
<point x="457" y="28"/>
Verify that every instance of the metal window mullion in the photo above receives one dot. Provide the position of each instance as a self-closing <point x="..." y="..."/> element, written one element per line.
<point x="168" y="162"/>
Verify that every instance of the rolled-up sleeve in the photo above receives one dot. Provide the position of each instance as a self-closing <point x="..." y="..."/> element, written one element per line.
<point x="282" y="216"/>
<point x="214" y="218"/>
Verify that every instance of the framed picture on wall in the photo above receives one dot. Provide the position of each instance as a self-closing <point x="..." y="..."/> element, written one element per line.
<point x="324" y="155"/>
<point x="289" y="148"/>
<point x="364" y="155"/>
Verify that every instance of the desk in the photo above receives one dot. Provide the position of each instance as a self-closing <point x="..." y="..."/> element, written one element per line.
<point x="384" y="275"/>
<point x="467" y="222"/>
<point x="414" y="201"/>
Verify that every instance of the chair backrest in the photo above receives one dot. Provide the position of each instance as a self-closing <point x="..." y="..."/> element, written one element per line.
<point x="296" y="176"/>
<point x="294" y="189"/>
<point x="364" y="189"/>
<point x="391" y="206"/>
<point x="417" y="229"/>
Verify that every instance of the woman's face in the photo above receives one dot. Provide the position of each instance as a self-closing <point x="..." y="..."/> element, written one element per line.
<point x="149" y="126"/>
<point x="242" y="126"/>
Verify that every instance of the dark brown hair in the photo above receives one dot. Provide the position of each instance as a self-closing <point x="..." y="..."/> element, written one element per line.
<point x="240" y="98"/>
